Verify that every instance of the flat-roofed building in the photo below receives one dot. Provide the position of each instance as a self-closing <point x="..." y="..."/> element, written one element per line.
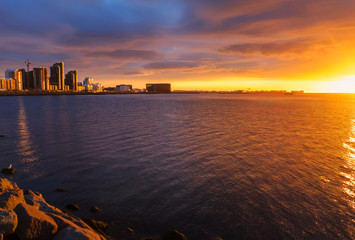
<point x="123" y="88"/>
<point x="81" y="88"/>
<point x="15" y="74"/>
<point x="40" y="79"/>
<point x="97" y="87"/>
<point x="158" y="87"/>
<point x="71" y="80"/>
<point x="2" y="83"/>
<point x="10" y="84"/>
<point x="57" y="75"/>
<point x="53" y="87"/>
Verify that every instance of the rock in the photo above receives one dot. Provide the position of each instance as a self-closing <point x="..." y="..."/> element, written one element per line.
<point x="73" y="207"/>
<point x="8" y="171"/>
<point x="63" y="221"/>
<point x="33" y="223"/>
<point x="6" y="185"/>
<point x="73" y="233"/>
<point x="11" y="198"/>
<point x="129" y="230"/>
<point x="37" y="200"/>
<point x="95" y="209"/>
<point x="62" y="190"/>
<point x="173" y="235"/>
<point x="27" y="191"/>
<point x="8" y="221"/>
<point x="10" y="194"/>
<point x="98" y="226"/>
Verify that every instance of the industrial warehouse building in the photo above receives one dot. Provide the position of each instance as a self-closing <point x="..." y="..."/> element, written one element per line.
<point x="158" y="87"/>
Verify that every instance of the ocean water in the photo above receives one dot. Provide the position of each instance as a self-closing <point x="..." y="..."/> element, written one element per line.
<point x="212" y="166"/>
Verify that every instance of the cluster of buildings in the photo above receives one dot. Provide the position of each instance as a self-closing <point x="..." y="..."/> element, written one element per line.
<point x="55" y="79"/>
<point x="150" y="88"/>
<point x="89" y="85"/>
<point x="44" y="79"/>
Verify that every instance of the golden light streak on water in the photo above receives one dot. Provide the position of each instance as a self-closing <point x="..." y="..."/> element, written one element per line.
<point x="25" y="147"/>
<point x="349" y="182"/>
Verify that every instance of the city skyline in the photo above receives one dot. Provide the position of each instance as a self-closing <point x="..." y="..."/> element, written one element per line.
<point x="195" y="45"/>
<point x="42" y="79"/>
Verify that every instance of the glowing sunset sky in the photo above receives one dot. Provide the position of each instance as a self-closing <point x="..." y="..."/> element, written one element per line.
<point x="194" y="44"/>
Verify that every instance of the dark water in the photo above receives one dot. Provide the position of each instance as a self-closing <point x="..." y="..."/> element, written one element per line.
<point x="229" y="166"/>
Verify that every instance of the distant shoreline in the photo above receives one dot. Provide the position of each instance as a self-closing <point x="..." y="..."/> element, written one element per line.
<point x="30" y="93"/>
<point x="19" y="93"/>
<point x="59" y="93"/>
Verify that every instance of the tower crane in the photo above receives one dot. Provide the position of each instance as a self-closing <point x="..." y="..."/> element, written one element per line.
<point x="28" y="63"/>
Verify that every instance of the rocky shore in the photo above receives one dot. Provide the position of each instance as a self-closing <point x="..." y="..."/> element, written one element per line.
<point x="25" y="215"/>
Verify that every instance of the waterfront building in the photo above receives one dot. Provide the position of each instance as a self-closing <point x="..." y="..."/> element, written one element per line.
<point x="89" y="85"/>
<point x="88" y="81"/>
<point x="10" y="84"/>
<point x="30" y="80"/>
<point x="25" y="82"/>
<point x="15" y="74"/>
<point x="71" y="80"/>
<point x="2" y="83"/>
<point x="57" y="75"/>
<point x="53" y="87"/>
<point x="40" y="79"/>
<point x="123" y="88"/>
<point x="158" y="87"/>
<point x="81" y="88"/>
<point x="97" y="87"/>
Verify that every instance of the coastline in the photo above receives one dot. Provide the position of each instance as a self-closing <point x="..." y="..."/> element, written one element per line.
<point x="38" y="93"/>
<point x="19" y="93"/>
<point x="25" y="215"/>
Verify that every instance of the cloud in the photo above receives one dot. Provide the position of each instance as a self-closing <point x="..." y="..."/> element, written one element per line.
<point x="107" y="38"/>
<point x="295" y="47"/>
<point x="170" y="65"/>
<point x="127" y="54"/>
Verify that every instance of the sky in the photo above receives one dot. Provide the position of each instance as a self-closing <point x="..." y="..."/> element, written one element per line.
<point x="192" y="44"/>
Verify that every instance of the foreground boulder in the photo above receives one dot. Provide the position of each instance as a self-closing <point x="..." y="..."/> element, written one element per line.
<point x="8" y="221"/>
<point x="73" y="233"/>
<point x="30" y="217"/>
<point x="10" y="195"/>
<point x="34" y="224"/>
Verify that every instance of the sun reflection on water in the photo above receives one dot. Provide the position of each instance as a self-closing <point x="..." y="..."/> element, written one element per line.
<point x="26" y="150"/>
<point x="349" y="175"/>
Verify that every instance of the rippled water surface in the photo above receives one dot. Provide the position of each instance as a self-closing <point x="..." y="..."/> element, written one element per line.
<point x="228" y="166"/>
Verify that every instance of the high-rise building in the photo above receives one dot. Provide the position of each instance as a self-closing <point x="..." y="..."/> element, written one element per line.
<point x="57" y="75"/>
<point x="15" y="74"/>
<point x="40" y="79"/>
<point x="71" y="79"/>
<point x="25" y="81"/>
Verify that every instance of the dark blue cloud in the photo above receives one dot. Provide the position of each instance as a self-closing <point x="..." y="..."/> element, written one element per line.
<point x="127" y="54"/>
<point x="170" y="65"/>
